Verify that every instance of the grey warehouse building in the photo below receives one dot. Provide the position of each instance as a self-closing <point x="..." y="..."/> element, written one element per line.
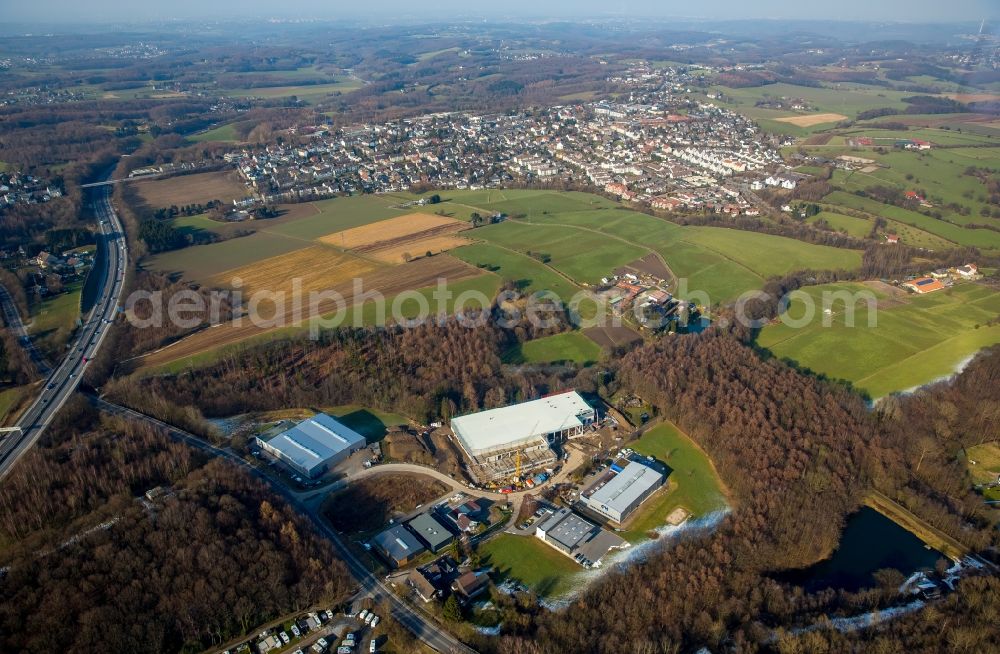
<point x="565" y="531"/>
<point x="398" y="545"/>
<point x="313" y="446"/>
<point x="618" y="497"/>
<point x="430" y="530"/>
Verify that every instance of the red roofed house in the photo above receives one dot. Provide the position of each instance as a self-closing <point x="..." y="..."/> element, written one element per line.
<point x="891" y="239"/>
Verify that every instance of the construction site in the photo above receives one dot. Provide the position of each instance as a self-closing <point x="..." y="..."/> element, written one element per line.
<point x="511" y="442"/>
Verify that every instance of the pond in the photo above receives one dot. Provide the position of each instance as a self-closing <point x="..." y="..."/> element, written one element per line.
<point x="870" y="542"/>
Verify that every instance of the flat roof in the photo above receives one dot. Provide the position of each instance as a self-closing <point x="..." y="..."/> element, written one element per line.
<point x="623" y="489"/>
<point x="399" y="543"/>
<point x="567" y="528"/>
<point x="315" y="441"/>
<point x="497" y="428"/>
<point x="430" y="530"/>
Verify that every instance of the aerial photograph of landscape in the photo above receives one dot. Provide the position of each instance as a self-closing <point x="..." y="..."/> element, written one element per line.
<point x="566" y="327"/>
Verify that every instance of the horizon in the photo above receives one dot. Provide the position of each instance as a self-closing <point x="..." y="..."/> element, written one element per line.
<point x="111" y="12"/>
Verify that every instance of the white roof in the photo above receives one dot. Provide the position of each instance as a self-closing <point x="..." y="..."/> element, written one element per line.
<point x="513" y="424"/>
<point x="315" y="441"/>
<point x="619" y="493"/>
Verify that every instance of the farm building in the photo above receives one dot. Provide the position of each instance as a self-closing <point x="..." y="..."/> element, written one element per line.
<point x="923" y="285"/>
<point x="493" y="438"/>
<point x="621" y="494"/>
<point x="312" y="446"/>
<point x="398" y="545"/>
<point x="430" y="530"/>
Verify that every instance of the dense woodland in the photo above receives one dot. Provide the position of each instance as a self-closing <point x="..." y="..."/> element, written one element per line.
<point x="90" y="568"/>
<point x="797" y="453"/>
<point x="434" y="370"/>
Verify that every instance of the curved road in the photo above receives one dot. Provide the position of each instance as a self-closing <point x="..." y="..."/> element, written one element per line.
<point x="63" y="381"/>
<point x="417" y="621"/>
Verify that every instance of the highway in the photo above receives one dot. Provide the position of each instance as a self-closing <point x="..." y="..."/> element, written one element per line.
<point x="421" y="624"/>
<point x="63" y="381"/>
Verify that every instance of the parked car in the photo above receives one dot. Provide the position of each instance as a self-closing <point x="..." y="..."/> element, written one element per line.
<point x="284" y="637"/>
<point x="295" y="630"/>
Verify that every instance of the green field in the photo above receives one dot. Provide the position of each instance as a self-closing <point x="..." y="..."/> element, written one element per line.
<point x="308" y="93"/>
<point x="694" y="484"/>
<point x="857" y="227"/>
<point x="841" y="98"/>
<point x="222" y="133"/>
<point x="583" y="256"/>
<point x="572" y="347"/>
<point x="475" y="287"/>
<point x="721" y="262"/>
<point x="370" y="423"/>
<point x="940" y="174"/>
<point x="335" y="215"/>
<point x="9" y="398"/>
<point x="527" y="559"/>
<point x="529" y="275"/>
<point x="981" y="238"/>
<point x="200" y="262"/>
<point x="55" y="318"/>
<point x="197" y="223"/>
<point x="913" y="342"/>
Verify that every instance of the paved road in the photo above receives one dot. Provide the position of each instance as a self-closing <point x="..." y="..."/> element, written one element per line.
<point x="63" y="381"/>
<point x="12" y="318"/>
<point x="414" y="619"/>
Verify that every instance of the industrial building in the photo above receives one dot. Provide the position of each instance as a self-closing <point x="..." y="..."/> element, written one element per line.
<point x="617" y="494"/>
<point x="430" y="530"/>
<point x="578" y="538"/>
<point x="313" y="446"/>
<point x="565" y="531"/>
<point x="492" y="439"/>
<point x="398" y="545"/>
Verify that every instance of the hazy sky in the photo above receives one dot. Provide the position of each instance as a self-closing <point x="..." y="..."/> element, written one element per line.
<point x="142" y="10"/>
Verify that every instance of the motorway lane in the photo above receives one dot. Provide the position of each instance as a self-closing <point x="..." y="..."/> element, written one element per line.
<point x="63" y="381"/>
<point x="413" y="618"/>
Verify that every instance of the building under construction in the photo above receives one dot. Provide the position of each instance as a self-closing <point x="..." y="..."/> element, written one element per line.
<point x="513" y="440"/>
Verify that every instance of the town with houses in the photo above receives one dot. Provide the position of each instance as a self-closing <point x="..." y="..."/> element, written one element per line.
<point x="653" y="147"/>
<point x="17" y="188"/>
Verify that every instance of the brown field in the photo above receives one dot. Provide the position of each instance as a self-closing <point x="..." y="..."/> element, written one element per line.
<point x="389" y="281"/>
<point x="412" y="249"/>
<point x="812" y="119"/>
<point x="316" y="268"/>
<point x="394" y="232"/>
<point x="191" y="189"/>
<point x="974" y="97"/>
<point x="651" y="264"/>
<point x="368" y="504"/>
<point x="819" y="139"/>
<point x="612" y="337"/>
